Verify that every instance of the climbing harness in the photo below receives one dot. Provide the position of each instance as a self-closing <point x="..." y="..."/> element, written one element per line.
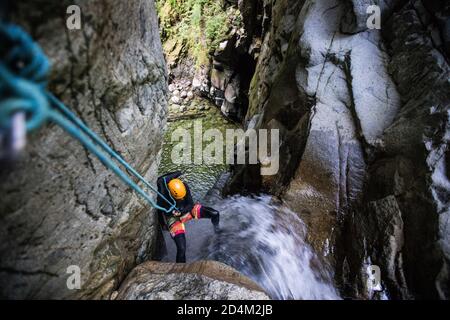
<point x="28" y="105"/>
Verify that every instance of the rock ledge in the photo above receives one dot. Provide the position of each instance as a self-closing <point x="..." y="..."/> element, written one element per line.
<point x="198" y="280"/>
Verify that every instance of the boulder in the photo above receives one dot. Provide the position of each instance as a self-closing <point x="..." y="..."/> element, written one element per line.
<point x="220" y="78"/>
<point x="172" y="87"/>
<point x="203" y="280"/>
<point x="196" y="83"/>
<point x="232" y="91"/>
<point x="175" y="100"/>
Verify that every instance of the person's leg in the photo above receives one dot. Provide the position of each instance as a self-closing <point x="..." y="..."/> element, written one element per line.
<point x="177" y="231"/>
<point x="202" y="212"/>
<point x="212" y="214"/>
<point x="180" y="241"/>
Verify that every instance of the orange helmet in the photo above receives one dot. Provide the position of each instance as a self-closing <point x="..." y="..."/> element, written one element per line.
<point x="177" y="189"/>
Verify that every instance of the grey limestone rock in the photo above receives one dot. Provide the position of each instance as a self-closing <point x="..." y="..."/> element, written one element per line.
<point x="59" y="205"/>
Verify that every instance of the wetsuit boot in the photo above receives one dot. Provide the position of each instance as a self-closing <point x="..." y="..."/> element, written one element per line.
<point x="212" y="214"/>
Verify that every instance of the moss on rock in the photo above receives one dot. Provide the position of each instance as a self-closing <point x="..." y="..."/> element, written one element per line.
<point x="200" y="24"/>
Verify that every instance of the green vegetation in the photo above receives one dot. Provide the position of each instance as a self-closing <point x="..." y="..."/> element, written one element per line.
<point x="197" y="25"/>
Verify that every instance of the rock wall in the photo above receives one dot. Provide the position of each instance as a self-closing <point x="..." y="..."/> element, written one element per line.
<point x="233" y="63"/>
<point x="406" y="199"/>
<point x="59" y="206"/>
<point x="362" y="116"/>
<point x="224" y="75"/>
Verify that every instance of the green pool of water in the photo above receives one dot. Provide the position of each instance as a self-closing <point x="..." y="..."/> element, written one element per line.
<point x="201" y="177"/>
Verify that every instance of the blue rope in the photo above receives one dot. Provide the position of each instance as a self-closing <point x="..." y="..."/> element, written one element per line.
<point x="92" y="135"/>
<point x="168" y="191"/>
<point x="26" y="88"/>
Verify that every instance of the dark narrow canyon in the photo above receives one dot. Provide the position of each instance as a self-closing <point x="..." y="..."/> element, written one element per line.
<point x="363" y="122"/>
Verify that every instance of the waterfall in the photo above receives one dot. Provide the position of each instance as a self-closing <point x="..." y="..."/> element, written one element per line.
<point x="266" y="242"/>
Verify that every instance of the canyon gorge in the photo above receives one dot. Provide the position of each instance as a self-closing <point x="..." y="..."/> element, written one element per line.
<point x="363" y="119"/>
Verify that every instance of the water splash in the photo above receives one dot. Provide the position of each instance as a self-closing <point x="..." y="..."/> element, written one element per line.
<point x="265" y="241"/>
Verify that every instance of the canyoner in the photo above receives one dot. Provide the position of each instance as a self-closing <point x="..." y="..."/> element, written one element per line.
<point x="224" y="150"/>
<point x="171" y="186"/>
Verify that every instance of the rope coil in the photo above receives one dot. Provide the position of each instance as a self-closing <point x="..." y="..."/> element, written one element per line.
<point x="23" y="72"/>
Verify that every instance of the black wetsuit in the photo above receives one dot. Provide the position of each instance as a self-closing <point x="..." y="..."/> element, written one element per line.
<point x="186" y="206"/>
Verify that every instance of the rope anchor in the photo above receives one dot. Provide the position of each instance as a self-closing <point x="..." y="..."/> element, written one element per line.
<point x="28" y="105"/>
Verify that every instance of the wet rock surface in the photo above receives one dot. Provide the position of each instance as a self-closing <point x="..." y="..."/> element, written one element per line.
<point x="363" y="121"/>
<point x="362" y="116"/>
<point x="409" y="165"/>
<point x="202" y="280"/>
<point x="224" y="78"/>
<point x="59" y="206"/>
<point x="234" y="62"/>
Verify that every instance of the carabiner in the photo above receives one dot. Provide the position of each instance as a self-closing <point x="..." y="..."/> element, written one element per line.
<point x="13" y="140"/>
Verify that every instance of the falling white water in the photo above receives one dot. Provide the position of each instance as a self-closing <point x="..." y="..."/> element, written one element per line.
<point x="265" y="242"/>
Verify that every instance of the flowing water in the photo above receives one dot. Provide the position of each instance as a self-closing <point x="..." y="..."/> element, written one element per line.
<point x="266" y="242"/>
<point x="262" y="239"/>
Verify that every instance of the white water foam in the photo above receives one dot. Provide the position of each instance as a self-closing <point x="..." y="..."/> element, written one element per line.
<point x="266" y="242"/>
